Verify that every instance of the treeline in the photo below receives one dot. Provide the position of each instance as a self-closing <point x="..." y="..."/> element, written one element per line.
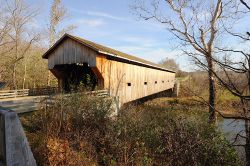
<point x="22" y="46"/>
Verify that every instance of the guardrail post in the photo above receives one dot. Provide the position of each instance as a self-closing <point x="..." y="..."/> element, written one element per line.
<point x="14" y="147"/>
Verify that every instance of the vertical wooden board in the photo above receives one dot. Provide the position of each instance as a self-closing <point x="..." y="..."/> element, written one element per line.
<point x="78" y="53"/>
<point x="68" y="51"/>
<point x="85" y="54"/>
<point x="112" y="77"/>
<point x="93" y="58"/>
<point x="109" y="75"/>
<point x="57" y="55"/>
<point x="64" y="52"/>
<point x="73" y="54"/>
<point x="70" y="58"/>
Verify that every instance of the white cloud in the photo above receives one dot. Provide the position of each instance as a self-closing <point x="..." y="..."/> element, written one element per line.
<point x="98" y="14"/>
<point x="104" y="15"/>
<point x="142" y="41"/>
<point x="90" y="22"/>
<point x="156" y="55"/>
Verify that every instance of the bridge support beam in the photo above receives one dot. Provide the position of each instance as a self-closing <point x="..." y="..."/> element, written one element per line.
<point x="14" y="147"/>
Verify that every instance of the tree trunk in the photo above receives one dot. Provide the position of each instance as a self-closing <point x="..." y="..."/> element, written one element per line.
<point x="14" y="77"/>
<point x="247" y="124"/>
<point x="247" y="146"/>
<point x="25" y="73"/>
<point x="49" y="79"/>
<point x="212" y="113"/>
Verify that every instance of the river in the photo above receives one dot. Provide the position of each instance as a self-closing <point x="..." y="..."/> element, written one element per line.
<point x="231" y="128"/>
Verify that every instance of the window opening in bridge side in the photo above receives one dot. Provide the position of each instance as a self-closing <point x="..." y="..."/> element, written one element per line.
<point x="155" y="82"/>
<point x="162" y="81"/>
<point x="145" y="83"/>
<point x="129" y="84"/>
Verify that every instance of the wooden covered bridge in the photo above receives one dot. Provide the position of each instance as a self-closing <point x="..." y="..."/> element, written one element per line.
<point x="74" y="60"/>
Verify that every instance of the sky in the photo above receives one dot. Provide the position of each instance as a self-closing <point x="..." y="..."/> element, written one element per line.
<point x="113" y="24"/>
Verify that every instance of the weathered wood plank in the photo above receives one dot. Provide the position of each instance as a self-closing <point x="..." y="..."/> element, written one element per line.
<point x="70" y="52"/>
<point x="117" y="75"/>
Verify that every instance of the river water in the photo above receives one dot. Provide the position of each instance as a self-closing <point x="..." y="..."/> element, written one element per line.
<point x="231" y="128"/>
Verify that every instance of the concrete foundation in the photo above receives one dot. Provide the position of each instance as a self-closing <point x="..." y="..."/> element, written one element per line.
<point x="14" y="147"/>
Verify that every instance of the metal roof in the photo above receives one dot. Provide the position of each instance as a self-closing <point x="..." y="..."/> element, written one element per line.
<point x="106" y="51"/>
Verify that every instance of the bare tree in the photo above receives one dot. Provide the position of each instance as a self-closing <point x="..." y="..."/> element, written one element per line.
<point x="235" y="77"/>
<point x="18" y="16"/>
<point x="196" y="25"/>
<point x="245" y="4"/>
<point x="240" y="86"/>
<point x="170" y="64"/>
<point x="57" y="15"/>
<point x="4" y="30"/>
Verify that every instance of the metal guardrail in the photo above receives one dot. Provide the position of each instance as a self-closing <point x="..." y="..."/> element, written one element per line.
<point x="13" y="93"/>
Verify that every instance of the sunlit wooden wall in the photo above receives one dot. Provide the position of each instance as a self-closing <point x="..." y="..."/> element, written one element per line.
<point x="126" y="80"/>
<point x="131" y="82"/>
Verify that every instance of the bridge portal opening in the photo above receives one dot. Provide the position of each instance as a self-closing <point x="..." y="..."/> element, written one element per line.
<point x="72" y="77"/>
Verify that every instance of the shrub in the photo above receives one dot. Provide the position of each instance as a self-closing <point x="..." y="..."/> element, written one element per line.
<point x="80" y="131"/>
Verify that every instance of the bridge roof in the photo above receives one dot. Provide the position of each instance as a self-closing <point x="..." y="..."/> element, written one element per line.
<point x="106" y="51"/>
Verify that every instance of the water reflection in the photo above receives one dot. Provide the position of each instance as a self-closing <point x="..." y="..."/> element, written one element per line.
<point x="231" y="128"/>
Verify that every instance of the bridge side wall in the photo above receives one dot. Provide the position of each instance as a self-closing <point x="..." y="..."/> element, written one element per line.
<point x="131" y="82"/>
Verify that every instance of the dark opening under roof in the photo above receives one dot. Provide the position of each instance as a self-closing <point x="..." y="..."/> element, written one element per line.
<point x="106" y="51"/>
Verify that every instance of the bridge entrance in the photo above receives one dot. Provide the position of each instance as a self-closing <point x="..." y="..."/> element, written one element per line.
<point x="73" y="76"/>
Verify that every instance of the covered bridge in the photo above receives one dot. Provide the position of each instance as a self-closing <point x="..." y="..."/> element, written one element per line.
<point x="74" y="60"/>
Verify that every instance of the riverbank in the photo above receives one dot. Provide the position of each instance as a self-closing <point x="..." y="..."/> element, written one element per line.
<point x="228" y="108"/>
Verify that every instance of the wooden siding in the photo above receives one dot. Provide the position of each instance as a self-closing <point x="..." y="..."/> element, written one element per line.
<point x="117" y="76"/>
<point x="70" y="52"/>
<point x="113" y="75"/>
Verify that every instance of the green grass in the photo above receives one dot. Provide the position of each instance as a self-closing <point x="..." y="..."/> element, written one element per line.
<point x="225" y="95"/>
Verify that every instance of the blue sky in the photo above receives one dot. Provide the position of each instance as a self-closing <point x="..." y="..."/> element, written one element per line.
<point x="112" y="23"/>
